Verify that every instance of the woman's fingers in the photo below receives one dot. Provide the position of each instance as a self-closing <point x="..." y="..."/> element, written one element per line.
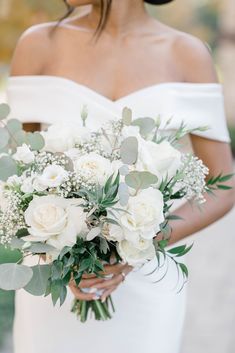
<point x="87" y="283"/>
<point x="107" y="293"/>
<point x="79" y="294"/>
<point x="114" y="281"/>
<point x="89" y="275"/>
<point x="114" y="269"/>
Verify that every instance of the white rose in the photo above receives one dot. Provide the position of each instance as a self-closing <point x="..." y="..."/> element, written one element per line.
<point x="93" y="167"/>
<point x="63" y="136"/>
<point x="24" y="154"/>
<point x="73" y="153"/>
<point x="134" y="255"/>
<point x="160" y="159"/>
<point x="113" y="232"/>
<point x="55" y="220"/>
<point x="37" y="185"/>
<point x="52" y="176"/>
<point x="144" y="215"/>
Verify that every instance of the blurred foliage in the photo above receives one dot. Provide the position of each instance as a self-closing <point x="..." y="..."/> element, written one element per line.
<point x="197" y="17"/>
<point x="6" y="298"/>
<point x="232" y="136"/>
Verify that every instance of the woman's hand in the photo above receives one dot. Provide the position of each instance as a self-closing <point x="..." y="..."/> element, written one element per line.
<point x="117" y="274"/>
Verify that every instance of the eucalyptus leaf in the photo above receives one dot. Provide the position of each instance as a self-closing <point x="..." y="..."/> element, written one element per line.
<point x="14" y="125"/>
<point x="36" y="141"/>
<point x="38" y="283"/>
<point x="40" y="248"/>
<point x="123" y="193"/>
<point x="17" y="243"/>
<point x="124" y="169"/>
<point x="127" y="116"/>
<point x="8" y="167"/>
<point x="14" y="276"/>
<point x="104" y="246"/>
<point x="20" y="138"/>
<point x="4" y="138"/>
<point x="146" y="125"/>
<point x="140" y="180"/>
<point x="93" y="233"/>
<point x="4" y="111"/>
<point x="129" y="150"/>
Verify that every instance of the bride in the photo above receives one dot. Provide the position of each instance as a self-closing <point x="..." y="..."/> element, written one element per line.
<point x="112" y="56"/>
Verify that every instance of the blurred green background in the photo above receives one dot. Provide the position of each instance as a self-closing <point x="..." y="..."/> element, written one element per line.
<point x="211" y="20"/>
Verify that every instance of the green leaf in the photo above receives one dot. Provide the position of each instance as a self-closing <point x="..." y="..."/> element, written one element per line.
<point x="14" y="126"/>
<point x="173" y="217"/>
<point x="146" y="125"/>
<point x="63" y="294"/>
<point x="20" y="138"/>
<point x="226" y="177"/>
<point x="41" y="248"/>
<point x="224" y="187"/>
<point x="85" y="264"/>
<point x="124" y="169"/>
<point x="129" y="150"/>
<point x="177" y="249"/>
<point x="99" y="265"/>
<point x="140" y="180"/>
<point x="38" y="284"/>
<point x="4" y="111"/>
<point x="17" y="243"/>
<point x="184" y="269"/>
<point x="8" y="167"/>
<point x="56" y="270"/>
<point x="23" y="232"/>
<point x="14" y="276"/>
<point x="56" y="288"/>
<point x="185" y="251"/>
<point x="36" y="141"/>
<point x="123" y="194"/>
<point x="104" y="246"/>
<point x="126" y="116"/>
<point x="93" y="233"/>
<point x="64" y="251"/>
<point x="162" y="243"/>
<point x="4" y="138"/>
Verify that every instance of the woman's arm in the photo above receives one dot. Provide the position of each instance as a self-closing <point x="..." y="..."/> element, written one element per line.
<point x="197" y="66"/>
<point x="217" y="157"/>
<point x="193" y="60"/>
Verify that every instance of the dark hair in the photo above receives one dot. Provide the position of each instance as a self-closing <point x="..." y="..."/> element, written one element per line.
<point x="105" y="6"/>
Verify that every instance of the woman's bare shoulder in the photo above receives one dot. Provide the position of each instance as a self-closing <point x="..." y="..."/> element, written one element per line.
<point x="190" y="55"/>
<point x="32" y="50"/>
<point x="194" y="58"/>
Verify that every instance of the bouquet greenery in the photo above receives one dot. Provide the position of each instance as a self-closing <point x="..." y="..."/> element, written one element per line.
<point x="78" y="199"/>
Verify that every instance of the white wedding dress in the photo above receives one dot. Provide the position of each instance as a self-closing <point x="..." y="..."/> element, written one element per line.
<point x="149" y="316"/>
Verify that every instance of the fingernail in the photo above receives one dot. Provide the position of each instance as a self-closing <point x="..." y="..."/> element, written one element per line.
<point x="96" y="297"/>
<point x="103" y="300"/>
<point x="92" y="290"/>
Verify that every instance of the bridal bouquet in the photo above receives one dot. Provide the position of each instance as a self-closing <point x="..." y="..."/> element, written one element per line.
<point x="79" y="199"/>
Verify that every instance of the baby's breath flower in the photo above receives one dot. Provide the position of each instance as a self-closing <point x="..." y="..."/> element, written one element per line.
<point x="193" y="178"/>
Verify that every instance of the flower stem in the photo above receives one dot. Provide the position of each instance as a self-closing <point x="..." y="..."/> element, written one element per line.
<point x="101" y="310"/>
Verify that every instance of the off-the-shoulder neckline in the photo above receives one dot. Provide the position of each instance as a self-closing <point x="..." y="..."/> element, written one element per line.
<point x="161" y="85"/>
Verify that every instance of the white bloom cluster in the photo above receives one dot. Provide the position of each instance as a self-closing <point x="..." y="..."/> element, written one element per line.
<point x="193" y="179"/>
<point x="139" y="223"/>
<point x="74" y="183"/>
<point x="11" y="218"/>
<point x="43" y="159"/>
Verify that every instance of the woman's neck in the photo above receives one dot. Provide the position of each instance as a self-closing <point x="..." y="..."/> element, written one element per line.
<point x="124" y="16"/>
